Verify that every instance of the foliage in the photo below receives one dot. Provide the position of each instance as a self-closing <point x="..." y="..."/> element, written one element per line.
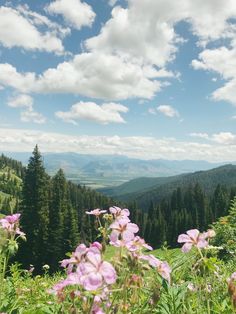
<point x="131" y="281"/>
<point x="225" y="229"/>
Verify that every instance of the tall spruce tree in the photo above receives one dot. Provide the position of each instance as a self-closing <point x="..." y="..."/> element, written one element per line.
<point x="35" y="213"/>
<point x="58" y="212"/>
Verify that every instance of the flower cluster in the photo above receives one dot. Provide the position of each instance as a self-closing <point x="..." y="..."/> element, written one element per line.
<point x="194" y="238"/>
<point x="10" y="224"/>
<point x="86" y="268"/>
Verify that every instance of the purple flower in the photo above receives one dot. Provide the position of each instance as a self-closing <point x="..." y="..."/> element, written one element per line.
<point x="95" y="272"/>
<point x="163" y="268"/>
<point x="193" y="238"/>
<point x="96" y="212"/>
<point x="10" y="224"/>
<point x="118" y="212"/>
<point x="80" y="254"/>
<point x="124" y="229"/>
<point x="137" y="244"/>
<point x="72" y="279"/>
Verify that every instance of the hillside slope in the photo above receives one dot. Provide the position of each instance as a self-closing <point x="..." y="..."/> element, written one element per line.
<point x="145" y="190"/>
<point x="11" y="173"/>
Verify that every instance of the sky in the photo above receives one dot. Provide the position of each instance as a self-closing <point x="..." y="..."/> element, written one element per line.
<point x="146" y="79"/>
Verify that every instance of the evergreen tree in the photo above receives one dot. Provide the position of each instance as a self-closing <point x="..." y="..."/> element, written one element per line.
<point x="35" y="213"/>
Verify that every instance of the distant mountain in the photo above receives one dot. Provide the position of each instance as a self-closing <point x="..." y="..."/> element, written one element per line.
<point x="145" y="190"/>
<point x="112" y="170"/>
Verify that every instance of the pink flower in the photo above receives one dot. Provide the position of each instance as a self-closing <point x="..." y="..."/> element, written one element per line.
<point x="118" y="212"/>
<point x="124" y="229"/>
<point x="79" y="255"/>
<point x="95" y="272"/>
<point x="193" y="238"/>
<point x="137" y="244"/>
<point x="10" y="224"/>
<point x="163" y="268"/>
<point x="96" y="309"/>
<point x="72" y="279"/>
<point x="96" y="212"/>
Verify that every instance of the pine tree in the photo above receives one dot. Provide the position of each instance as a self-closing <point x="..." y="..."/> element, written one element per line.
<point x="58" y="211"/>
<point x="35" y="213"/>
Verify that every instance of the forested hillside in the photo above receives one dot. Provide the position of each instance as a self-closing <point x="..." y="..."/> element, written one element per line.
<point x="145" y="190"/>
<point x="11" y="174"/>
<point x="170" y="209"/>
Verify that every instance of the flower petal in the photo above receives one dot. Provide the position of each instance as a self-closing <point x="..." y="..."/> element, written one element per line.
<point x="186" y="247"/>
<point x="193" y="233"/>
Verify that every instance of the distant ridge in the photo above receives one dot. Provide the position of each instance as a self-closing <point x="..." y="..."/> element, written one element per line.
<point x="112" y="170"/>
<point x="145" y="190"/>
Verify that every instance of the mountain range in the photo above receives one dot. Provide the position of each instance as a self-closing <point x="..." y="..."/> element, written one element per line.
<point x="98" y="171"/>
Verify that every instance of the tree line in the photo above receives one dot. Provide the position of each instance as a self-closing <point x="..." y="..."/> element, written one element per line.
<point x="186" y="208"/>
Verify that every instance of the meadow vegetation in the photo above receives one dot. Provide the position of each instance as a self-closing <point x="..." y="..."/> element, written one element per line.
<point x="121" y="273"/>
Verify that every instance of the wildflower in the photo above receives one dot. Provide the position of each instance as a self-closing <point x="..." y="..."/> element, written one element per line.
<point x="79" y="255"/>
<point x="96" y="212"/>
<point x="191" y="287"/>
<point x="46" y="267"/>
<point x="95" y="272"/>
<point x="163" y="268"/>
<point x="118" y="212"/>
<point x="193" y="237"/>
<point x="10" y="224"/>
<point x="136" y="244"/>
<point x="124" y="229"/>
<point x="211" y="233"/>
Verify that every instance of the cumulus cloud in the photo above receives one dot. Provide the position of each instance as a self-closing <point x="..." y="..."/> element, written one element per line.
<point x="221" y="60"/>
<point x="103" y="114"/>
<point x="28" y="114"/>
<point x="131" y="53"/>
<point x="226" y="138"/>
<point x="19" y="28"/>
<point x="75" y="13"/>
<point x="87" y="74"/>
<point x="21" y="101"/>
<point x="168" y="111"/>
<point x="32" y="116"/>
<point x="145" y="29"/>
<point x="133" y="146"/>
<point x="200" y="135"/>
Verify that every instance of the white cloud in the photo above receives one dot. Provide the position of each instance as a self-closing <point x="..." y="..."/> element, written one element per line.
<point x="75" y="12"/>
<point x="88" y="74"/>
<point x="168" y="111"/>
<point x="21" y="101"/>
<point x="131" y="52"/>
<point x="145" y="29"/>
<point x="226" y="138"/>
<point x="18" y="29"/>
<point x="103" y="114"/>
<point x="221" y="60"/>
<point x="133" y="146"/>
<point x="200" y="135"/>
<point x="28" y="114"/>
<point x="32" y="116"/>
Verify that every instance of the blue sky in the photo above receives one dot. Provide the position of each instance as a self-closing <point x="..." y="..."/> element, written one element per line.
<point x="147" y="79"/>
